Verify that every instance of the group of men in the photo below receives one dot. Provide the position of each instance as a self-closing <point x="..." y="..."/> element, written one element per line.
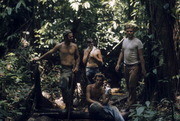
<point x="131" y="56"/>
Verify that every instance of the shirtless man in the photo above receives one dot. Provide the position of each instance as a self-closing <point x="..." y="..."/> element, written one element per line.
<point x="98" y="100"/>
<point x="69" y="60"/>
<point x="92" y="59"/>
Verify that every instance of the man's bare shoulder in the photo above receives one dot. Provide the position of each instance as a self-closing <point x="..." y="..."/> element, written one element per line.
<point x="97" y="50"/>
<point x="74" y="44"/>
<point x="90" y="86"/>
<point x="60" y="44"/>
<point x="86" y="49"/>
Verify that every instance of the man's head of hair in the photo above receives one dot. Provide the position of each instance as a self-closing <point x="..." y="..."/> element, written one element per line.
<point x="131" y="26"/>
<point x="90" y="40"/>
<point x="66" y="32"/>
<point x="99" y="75"/>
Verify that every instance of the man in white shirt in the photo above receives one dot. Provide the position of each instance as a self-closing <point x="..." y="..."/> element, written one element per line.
<point x="132" y="58"/>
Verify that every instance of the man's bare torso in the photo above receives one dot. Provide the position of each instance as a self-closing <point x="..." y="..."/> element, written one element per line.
<point x="96" y="93"/>
<point x="67" y="53"/>
<point x="92" y="61"/>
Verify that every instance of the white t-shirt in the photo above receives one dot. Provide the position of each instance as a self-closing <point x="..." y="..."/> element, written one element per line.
<point x="131" y="48"/>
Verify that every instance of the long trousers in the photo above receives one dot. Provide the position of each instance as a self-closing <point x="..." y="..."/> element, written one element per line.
<point x="132" y="75"/>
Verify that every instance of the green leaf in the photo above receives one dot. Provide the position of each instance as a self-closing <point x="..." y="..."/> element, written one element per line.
<point x="163" y="80"/>
<point x="176" y="77"/>
<point x="22" y="108"/>
<point x="3" y="14"/>
<point x="136" y="119"/>
<point x="2" y="44"/>
<point x="3" y="102"/>
<point x="75" y="6"/>
<point x="155" y="71"/>
<point x="140" y="110"/>
<point x="43" y="1"/>
<point x="22" y="1"/>
<point x="4" y="112"/>
<point x="18" y="5"/>
<point x="131" y="114"/>
<point x="151" y="36"/>
<point x="154" y="47"/>
<point x="9" y="10"/>
<point x="155" y="53"/>
<point x="86" y="5"/>
<point x="150" y="114"/>
<point x="19" y="113"/>
<point x="147" y="103"/>
<point x="161" y="61"/>
<point x="54" y="1"/>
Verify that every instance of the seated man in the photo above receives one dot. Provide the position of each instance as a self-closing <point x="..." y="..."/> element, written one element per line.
<point x="98" y="100"/>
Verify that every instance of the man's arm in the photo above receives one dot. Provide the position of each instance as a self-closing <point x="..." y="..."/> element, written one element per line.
<point x="47" y="54"/>
<point x="88" y="95"/>
<point x="77" y="59"/>
<point x="98" y="57"/>
<point x="106" y="98"/>
<point x="120" y="58"/>
<point x="86" y="55"/>
<point x="142" y="61"/>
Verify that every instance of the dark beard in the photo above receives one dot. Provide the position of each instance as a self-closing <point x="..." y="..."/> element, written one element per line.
<point x="67" y="42"/>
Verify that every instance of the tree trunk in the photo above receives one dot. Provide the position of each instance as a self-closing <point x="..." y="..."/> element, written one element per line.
<point x="161" y="26"/>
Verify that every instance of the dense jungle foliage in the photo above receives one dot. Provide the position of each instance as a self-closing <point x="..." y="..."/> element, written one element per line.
<point x="30" y="28"/>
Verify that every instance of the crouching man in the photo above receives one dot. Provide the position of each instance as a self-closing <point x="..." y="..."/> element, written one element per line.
<point x="98" y="100"/>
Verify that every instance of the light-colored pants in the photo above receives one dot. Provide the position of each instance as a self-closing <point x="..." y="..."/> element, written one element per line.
<point x="132" y="75"/>
<point x="106" y="109"/>
<point x="113" y="110"/>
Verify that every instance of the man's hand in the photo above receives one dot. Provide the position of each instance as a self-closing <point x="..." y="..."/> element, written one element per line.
<point x="99" y="104"/>
<point x="35" y="59"/>
<point x="144" y="72"/>
<point x="75" y="69"/>
<point x="89" y="50"/>
<point x="117" y="67"/>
